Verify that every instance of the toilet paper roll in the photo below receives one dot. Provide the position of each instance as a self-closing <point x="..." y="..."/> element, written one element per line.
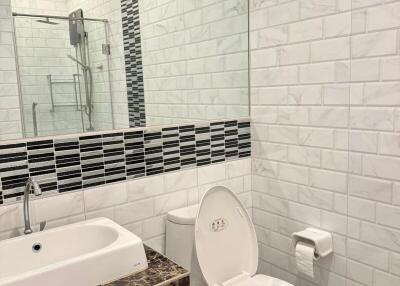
<point x="305" y="258"/>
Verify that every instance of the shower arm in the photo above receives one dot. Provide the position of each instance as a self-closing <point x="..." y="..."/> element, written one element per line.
<point x="85" y="67"/>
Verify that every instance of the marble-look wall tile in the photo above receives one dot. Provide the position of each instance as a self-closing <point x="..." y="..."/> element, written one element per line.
<point x="382" y="236"/>
<point x="11" y="217"/>
<point x="370" y="188"/>
<point x="383" y="17"/>
<point x="368" y="254"/>
<point x="382" y="278"/>
<point x="58" y="207"/>
<point x="305" y="94"/>
<point x="171" y="201"/>
<point x="373" y="190"/>
<point x="105" y="196"/>
<point x="374" y="44"/>
<point x="146" y="187"/>
<point x="182" y="180"/>
<point x="325" y="95"/>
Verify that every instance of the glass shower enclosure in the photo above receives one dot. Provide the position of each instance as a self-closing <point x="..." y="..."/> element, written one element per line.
<point x="64" y="77"/>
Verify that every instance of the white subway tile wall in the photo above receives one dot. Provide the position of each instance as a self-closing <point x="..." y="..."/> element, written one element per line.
<point x="195" y="59"/>
<point x="374" y="136"/>
<point x="325" y="93"/>
<point x="10" y="117"/>
<point x="139" y="205"/>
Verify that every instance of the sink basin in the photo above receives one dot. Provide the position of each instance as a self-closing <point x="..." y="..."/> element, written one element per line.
<point x="87" y="253"/>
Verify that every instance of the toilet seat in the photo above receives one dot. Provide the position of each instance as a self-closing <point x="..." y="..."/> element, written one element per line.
<point x="257" y="280"/>
<point x="226" y="242"/>
<point x="260" y="280"/>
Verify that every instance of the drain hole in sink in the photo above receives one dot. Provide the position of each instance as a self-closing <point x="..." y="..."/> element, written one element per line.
<point x="36" y="247"/>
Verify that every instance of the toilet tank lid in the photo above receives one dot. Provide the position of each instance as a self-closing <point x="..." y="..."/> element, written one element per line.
<point x="185" y="215"/>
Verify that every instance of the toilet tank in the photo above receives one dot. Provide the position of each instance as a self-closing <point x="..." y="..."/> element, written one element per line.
<point x="180" y="236"/>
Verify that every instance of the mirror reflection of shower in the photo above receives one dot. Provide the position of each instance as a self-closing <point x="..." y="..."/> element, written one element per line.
<point x="79" y="39"/>
<point x="64" y="73"/>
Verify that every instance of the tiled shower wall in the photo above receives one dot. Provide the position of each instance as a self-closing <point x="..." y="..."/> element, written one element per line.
<point x="10" y="117"/>
<point x="325" y="92"/>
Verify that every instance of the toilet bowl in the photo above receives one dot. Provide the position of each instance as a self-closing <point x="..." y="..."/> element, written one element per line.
<point x="217" y="242"/>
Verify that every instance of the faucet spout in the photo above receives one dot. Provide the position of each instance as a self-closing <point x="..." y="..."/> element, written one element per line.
<point x="30" y="184"/>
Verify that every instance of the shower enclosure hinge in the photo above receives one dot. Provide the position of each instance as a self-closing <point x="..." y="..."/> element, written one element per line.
<point x="106" y="49"/>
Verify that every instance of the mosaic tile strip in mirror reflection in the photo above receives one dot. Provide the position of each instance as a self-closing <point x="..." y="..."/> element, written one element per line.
<point x="133" y="62"/>
<point x="63" y="165"/>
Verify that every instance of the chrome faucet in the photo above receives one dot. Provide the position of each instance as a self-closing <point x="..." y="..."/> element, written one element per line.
<point x="30" y="184"/>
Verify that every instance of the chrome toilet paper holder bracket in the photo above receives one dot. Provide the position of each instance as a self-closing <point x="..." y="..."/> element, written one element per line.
<point x="321" y="240"/>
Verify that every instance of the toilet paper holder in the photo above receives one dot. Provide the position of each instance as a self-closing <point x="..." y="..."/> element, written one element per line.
<point x="322" y="241"/>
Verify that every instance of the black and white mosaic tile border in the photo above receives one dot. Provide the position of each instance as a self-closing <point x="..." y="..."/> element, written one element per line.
<point x="133" y="62"/>
<point x="68" y="164"/>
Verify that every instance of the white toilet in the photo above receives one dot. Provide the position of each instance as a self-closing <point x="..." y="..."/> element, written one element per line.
<point x="222" y="235"/>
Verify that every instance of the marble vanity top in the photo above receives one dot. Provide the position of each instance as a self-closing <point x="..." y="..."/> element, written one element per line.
<point x="161" y="272"/>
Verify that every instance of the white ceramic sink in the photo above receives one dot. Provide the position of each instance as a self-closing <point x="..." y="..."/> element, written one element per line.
<point x="88" y="253"/>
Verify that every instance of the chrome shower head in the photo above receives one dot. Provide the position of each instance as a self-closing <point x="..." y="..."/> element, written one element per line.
<point x="47" y="21"/>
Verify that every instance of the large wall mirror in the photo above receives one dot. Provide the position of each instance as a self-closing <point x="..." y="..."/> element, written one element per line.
<point x="87" y="66"/>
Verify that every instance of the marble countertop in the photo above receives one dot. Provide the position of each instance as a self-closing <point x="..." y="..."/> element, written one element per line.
<point x="161" y="271"/>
